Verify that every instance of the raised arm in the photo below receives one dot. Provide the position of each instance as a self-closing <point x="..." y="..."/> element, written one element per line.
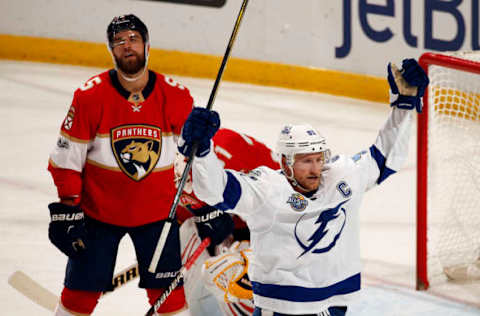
<point x="390" y="149"/>
<point x="222" y="189"/>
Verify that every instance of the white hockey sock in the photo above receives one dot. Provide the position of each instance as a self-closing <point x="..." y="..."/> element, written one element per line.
<point x="62" y="311"/>
<point x="185" y="312"/>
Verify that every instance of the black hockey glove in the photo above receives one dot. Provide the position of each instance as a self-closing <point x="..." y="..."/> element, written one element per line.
<point x="67" y="229"/>
<point x="407" y="85"/>
<point x="200" y="127"/>
<point x="212" y="223"/>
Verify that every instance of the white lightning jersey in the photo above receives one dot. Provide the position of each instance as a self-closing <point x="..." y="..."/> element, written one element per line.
<point x="305" y="251"/>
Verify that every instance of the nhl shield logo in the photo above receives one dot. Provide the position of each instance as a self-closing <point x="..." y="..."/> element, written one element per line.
<point x="136" y="149"/>
<point x="298" y="202"/>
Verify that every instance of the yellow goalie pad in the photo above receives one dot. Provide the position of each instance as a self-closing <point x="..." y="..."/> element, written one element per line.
<point x="226" y="274"/>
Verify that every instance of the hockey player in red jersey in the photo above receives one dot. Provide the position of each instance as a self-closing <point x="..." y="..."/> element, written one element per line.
<point x="113" y="169"/>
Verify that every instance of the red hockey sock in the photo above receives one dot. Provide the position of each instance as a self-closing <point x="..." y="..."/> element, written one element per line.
<point x="77" y="301"/>
<point x="175" y="301"/>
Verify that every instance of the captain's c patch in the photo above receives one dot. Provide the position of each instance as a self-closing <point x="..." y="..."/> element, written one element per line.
<point x="136" y="149"/>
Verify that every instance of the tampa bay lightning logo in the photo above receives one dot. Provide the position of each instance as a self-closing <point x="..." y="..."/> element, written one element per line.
<point x="328" y="227"/>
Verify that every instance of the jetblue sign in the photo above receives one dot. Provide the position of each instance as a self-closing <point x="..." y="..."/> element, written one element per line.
<point x="446" y="8"/>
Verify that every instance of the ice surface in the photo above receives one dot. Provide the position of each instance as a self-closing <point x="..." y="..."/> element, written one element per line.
<point x="34" y="99"/>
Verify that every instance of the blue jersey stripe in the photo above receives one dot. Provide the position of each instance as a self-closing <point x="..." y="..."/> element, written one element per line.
<point x="385" y="172"/>
<point x="305" y="294"/>
<point x="231" y="194"/>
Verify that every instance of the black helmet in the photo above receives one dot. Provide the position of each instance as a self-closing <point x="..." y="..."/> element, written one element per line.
<point x="126" y="22"/>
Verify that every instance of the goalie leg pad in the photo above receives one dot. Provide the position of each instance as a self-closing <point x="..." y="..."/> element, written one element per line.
<point x="174" y="302"/>
<point x="226" y="275"/>
<point x="82" y="302"/>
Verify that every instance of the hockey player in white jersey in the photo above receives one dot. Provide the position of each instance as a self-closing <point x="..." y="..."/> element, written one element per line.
<point x="304" y="220"/>
<point x="222" y="287"/>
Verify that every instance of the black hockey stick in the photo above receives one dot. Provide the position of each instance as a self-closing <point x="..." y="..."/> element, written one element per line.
<point x="204" y="244"/>
<point x="183" y="180"/>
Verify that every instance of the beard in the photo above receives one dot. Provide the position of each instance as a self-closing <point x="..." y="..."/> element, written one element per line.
<point x="309" y="184"/>
<point x="131" y="66"/>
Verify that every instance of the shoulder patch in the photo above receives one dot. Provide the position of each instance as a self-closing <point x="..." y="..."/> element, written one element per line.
<point x="68" y="122"/>
<point x="63" y="142"/>
<point x="358" y="156"/>
<point x="297" y="202"/>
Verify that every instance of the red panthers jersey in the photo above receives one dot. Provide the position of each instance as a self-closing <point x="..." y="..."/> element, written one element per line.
<point x="116" y="149"/>
<point x="241" y="152"/>
<point x="238" y="152"/>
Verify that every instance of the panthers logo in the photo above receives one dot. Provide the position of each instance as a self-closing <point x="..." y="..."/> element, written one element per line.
<point x="136" y="149"/>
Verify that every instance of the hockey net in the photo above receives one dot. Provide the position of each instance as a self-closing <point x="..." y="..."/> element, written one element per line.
<point x="448" y="171"/>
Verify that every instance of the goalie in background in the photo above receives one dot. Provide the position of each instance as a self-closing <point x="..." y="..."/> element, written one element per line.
<point x="218" y="283"/>
<point x="303" y="219"/>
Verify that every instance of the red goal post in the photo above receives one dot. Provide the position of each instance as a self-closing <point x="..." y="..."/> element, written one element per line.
<point x="450" y="120"/>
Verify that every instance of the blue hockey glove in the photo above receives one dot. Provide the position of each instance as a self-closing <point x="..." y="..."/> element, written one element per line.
<point x="67" y="229"/>
<point x="212" y="223"/>
<point x="407" y="85"/>
<point x="200" y="127"/>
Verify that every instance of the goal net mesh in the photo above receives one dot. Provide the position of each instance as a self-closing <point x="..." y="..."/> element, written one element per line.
<point x="453" y="199"/>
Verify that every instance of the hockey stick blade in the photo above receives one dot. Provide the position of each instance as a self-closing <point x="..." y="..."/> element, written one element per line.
<point x="155" y="306"/>
<point x="43" y="297"/>
<point x="171" y="215"/>
<point x="33" y="290"/>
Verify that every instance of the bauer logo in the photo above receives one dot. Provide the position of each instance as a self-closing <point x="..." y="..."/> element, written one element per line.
<point x="298" y="202"/>
<point x="67" y="217"/>
<point x="319" y="234"/>
<point x="136" y="149"/>
<point x="166" y="275"/>
<point x="207" y="217"/>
